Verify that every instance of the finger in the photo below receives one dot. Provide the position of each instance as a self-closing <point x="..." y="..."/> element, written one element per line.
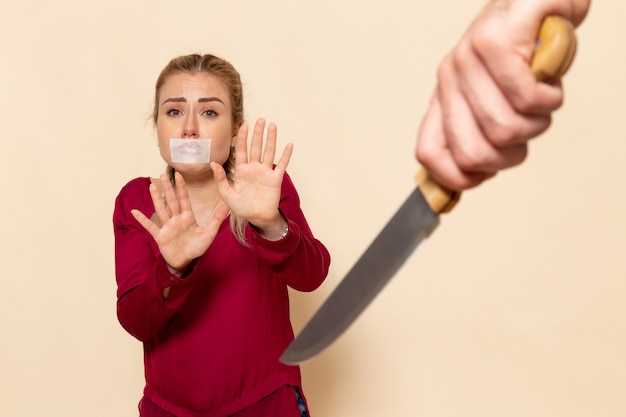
<point x="256" y="144"/>
<point x="506" y="53"/>
<point x="470" y="148"/>
<point x="241" y="145"/>
<point x="223" y="186"/>
<point x="500" y="123"/>
<point x="578" y="11"/>
<point x="433" y="153"/>
<point x="147" y="224"/>
<point x="283" y="162"/>
<point x="270" y="145"/>
<point x="160" y="208"/>
<point x="181" y="193"/>
<point x="170" y="196"/>
<point x="218" y="217"/>
<point x="211" y="229"/>
<point x="219" y="175"/>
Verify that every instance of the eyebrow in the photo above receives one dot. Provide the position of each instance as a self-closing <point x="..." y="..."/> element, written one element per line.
<point x="184" y="100"/>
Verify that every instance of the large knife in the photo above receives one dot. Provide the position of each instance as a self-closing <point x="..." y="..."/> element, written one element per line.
<point x="413" y="222"/>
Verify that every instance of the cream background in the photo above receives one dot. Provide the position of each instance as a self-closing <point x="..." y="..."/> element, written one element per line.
<point x="515" y="306"/>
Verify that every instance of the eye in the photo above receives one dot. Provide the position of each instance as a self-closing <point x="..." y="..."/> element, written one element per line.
<point x="173" y="112"/>
<point x="209" y="113"/>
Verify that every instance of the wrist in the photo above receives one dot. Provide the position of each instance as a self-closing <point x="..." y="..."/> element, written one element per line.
<point x="177" y="270"/>
<point x="277" y="230"/>
<point x="182" y="271"/>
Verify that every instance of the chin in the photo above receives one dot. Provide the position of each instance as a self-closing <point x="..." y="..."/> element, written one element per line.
<point x="193" y="169"/>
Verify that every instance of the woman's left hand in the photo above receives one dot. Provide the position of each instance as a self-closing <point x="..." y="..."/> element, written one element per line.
<point x="255" y="192"/>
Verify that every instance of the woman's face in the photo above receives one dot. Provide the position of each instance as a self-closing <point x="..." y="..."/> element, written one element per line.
<point x="195" y="106"/>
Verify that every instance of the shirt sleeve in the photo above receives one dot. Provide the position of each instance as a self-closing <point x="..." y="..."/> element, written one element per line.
<point x="299" y="259"/>
<point x="141" y="272"/>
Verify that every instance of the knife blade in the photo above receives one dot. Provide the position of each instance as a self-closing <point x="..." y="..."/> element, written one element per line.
<point x="416" y="219"/>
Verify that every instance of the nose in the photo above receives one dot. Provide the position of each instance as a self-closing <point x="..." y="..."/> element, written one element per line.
<point x="190" y="128"/>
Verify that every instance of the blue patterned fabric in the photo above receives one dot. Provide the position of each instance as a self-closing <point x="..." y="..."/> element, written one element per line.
<point x="303" y="411"/>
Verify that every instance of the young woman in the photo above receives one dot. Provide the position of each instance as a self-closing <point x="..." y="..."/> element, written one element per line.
<point x="204" y="255"/>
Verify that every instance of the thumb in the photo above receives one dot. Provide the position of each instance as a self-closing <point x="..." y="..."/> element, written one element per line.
<point x="219" y="215"/>
<point x="220" y="178"/>
<point x="218" y="172"/>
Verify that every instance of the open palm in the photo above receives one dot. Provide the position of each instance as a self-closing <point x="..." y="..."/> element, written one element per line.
<point x="255" y="192"/>
<point x="179" y="236"/>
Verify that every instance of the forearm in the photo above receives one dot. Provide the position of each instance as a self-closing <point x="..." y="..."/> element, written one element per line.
<point x="273" y="230"/>
<point x="145" y="308"/>
<point x="307" y="268"/>
<point x="299" y="259"/>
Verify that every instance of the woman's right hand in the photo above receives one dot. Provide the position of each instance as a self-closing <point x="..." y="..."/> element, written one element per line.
<point x="180" y="238"/>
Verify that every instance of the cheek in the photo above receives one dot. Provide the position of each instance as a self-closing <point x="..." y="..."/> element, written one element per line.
<point x="163" y="142"/>
<point x="164" y="150"/>
<point x="222" y="142"/>
<point x="163" y="125"/>
<point x="220" y="151"/>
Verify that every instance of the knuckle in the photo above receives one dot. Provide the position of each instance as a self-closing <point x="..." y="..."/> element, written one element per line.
<point x="485" y="37"/>
<point x="461" y="55"/>
<point x="501" y="133"/>
<point x="446" y="67"/>
<point x="469" y="157"/>
<point x="468" y="181"/>
<point x="521" y="98"/>
<point x="423" y="154"/>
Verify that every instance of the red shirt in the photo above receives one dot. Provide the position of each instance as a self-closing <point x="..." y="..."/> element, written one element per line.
<point x="212" y="347"/>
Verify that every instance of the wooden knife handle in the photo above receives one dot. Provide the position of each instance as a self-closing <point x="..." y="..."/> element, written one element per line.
<point x="556" y="47"/>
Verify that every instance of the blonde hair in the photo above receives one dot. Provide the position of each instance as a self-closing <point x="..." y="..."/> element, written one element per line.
<point x="228" y="75"/>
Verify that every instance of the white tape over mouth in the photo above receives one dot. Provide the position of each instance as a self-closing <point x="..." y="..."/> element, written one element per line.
<point x="190" y="151"/>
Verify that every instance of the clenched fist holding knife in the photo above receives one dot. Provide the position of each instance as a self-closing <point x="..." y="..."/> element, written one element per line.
<point x="488" y="104"/>
<point x="496" y="90"/>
